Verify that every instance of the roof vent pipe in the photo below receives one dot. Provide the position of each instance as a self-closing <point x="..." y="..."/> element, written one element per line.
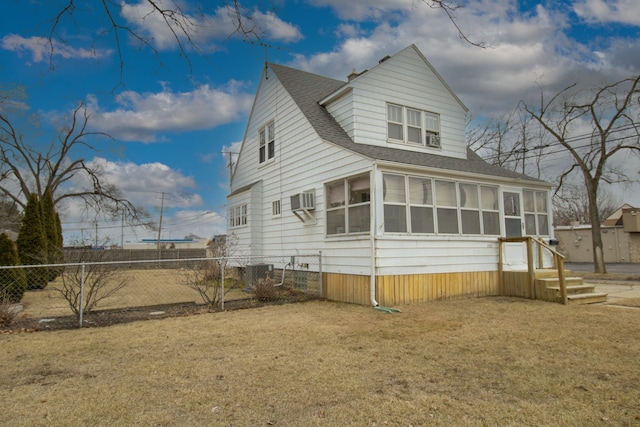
<point x="353" y="75"/>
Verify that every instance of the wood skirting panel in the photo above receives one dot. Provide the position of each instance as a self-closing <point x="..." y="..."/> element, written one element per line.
<point x="349" y="288"/>
<point x="411" y="288"/>
<point x="516" y="284"/>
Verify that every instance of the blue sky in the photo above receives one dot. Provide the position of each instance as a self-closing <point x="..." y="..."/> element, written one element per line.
<point x="171" y="120"/>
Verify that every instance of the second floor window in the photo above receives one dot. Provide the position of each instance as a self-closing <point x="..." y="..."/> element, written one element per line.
<point x="411" y="126"/>
<point x="267" y="143"/>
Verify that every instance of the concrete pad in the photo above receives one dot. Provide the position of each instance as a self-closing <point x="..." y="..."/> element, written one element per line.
<point x="617" y="291"/>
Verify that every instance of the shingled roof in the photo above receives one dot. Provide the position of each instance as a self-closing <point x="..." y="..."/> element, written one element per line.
<point x="308" y="89"/>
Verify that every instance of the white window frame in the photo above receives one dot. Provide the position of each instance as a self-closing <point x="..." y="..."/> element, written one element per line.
<point x="537" y="211"/>
<point x="276" y="208"/>
<point x="429" y="134"/>
<point x="238" y="216"/>
<point x="347" y="204"/>
<point x="433" y="205"/>
<point x="267" y="143"/>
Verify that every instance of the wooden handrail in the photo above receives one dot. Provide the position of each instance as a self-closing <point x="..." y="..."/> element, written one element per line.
<point x="558" y="262"/>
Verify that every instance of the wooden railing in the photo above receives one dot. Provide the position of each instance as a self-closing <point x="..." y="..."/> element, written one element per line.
<point x="541" y="246"/>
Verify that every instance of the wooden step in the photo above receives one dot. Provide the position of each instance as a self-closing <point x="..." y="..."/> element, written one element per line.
<point x="547" y="272"/>
<point x="590" y="298"/>
<point x="553" y="281"/>
<point x="575" y="289"/>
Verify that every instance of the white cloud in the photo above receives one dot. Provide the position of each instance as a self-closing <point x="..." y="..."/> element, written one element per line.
<point x="142" y="184"/>
<point x="600" y="11"/>
<point x="363" y="9"/>
<point x="141" y="116"/>
<point x="525" y="50"/>
<point x="201" y="223"/>
<point x="274" y="28"/>
<point x="202" y="28"/>
<point x="41" y="48"/>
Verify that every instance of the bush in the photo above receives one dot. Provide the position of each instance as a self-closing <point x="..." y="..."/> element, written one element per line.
<point x="13" y="281"/>
<point x="206" y="279"/>
<point x="8" y="313"/>
<point x="32" y="244"/>
<point x="265" y="289"/>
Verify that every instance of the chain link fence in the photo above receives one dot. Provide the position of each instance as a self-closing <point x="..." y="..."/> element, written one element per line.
<point x="99" y="293"/>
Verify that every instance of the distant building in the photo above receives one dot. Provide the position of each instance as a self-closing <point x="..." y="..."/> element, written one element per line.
<point x="620" y="238"/>
<point x="187" y="243"/>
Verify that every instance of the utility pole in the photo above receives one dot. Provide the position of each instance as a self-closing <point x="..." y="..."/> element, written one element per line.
<point x="122" y="232"/>
<point x="160" y="222"/>
<point x="230" y="165"/>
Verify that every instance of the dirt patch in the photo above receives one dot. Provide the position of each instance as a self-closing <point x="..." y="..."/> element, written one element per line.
<point x="109" y="317"/>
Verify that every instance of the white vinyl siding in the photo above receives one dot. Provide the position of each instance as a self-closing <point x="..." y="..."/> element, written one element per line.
<point x="302" y="162"/>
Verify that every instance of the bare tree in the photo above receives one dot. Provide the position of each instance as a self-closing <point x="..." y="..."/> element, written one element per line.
<point x="183" y="20"/>
<point x="206" y="277"/>
<point x="86" y="284"/>
<point x="508" y="141"/>
<point x="449" y="8"/>
<point x="611" y="117"/>
<point x="571" y="203"/>
<point x="27" y="169"/>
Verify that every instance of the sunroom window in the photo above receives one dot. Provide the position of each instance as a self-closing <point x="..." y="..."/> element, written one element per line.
<point x="420" y="205"/>
<point x="348" y="205"/>
<point x="447" y="212"/>
<point x="536" y="219"/>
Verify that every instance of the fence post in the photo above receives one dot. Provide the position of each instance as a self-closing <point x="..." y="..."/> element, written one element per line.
<point x="222" y="268"/>
<point x="81" y="295"/>
<point x="320" y="272"/>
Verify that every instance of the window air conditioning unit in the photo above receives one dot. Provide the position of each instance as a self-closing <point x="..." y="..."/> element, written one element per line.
<point x="303" y="202"/>
<point x="433" y="141"/>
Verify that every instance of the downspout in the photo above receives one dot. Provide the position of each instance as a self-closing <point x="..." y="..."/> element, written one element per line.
<point x="372" y="235"/>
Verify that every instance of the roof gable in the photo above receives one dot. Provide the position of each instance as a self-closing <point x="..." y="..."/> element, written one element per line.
<point x="308" y="89"/>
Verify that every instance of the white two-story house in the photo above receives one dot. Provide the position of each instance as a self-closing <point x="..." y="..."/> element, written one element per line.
<point x="375" y="173"/>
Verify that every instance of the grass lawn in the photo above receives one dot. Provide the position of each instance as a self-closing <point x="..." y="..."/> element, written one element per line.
<point x="484" y="361"/>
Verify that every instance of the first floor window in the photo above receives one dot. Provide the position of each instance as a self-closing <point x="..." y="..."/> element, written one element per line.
<point x="238" y="215"/>
<point x="348" y="205"/>
<point x="275" y="208"/>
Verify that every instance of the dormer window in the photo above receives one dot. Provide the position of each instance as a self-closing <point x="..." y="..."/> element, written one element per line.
<point x="395" y="120"/>
<point x="419" y="127"/>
